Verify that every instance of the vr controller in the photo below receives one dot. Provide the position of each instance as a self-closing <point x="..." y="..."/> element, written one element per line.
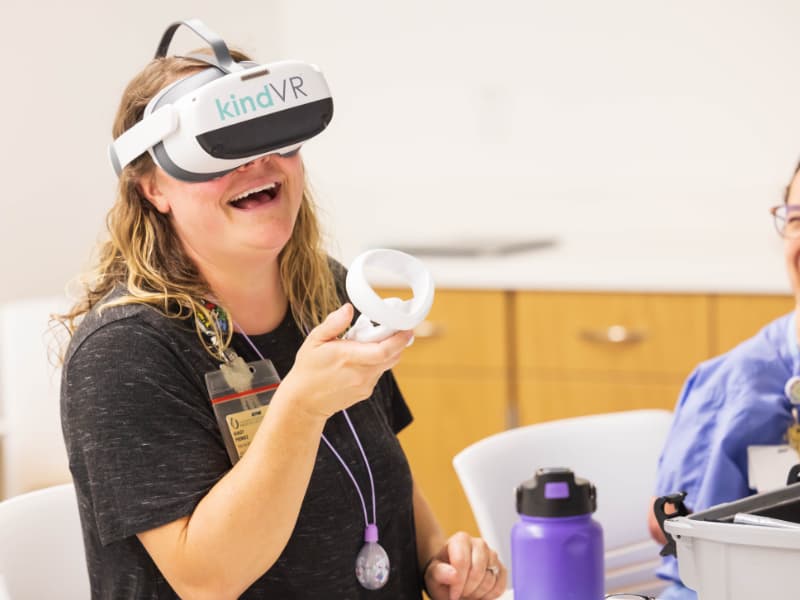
<point x="381" y="317"/>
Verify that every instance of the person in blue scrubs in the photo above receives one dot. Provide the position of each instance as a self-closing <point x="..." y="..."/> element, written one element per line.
<point x="731" y="402"/>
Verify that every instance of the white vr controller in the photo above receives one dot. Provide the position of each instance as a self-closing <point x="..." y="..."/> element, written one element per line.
<point x="381" y="317"/>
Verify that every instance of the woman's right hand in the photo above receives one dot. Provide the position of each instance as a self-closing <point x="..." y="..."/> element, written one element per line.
<point x="330" y="374"/>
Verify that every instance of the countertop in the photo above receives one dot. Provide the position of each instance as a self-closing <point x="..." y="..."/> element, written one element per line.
<point x="656" y="262"/>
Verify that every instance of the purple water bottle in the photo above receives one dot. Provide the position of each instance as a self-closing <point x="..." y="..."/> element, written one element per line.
<point x="556" y="546"/>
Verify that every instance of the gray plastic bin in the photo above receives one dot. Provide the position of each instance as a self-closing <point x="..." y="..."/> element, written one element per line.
<point x="726" y="561"/>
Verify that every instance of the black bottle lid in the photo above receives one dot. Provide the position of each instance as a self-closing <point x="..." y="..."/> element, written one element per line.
<point x="556" y="492"/>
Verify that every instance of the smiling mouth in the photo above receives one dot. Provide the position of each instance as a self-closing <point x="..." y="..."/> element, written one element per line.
<point x="256" y="197"/>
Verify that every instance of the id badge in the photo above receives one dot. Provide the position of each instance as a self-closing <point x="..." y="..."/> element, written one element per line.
<point x="768" y="466"/>
<point x="240" y="394"/>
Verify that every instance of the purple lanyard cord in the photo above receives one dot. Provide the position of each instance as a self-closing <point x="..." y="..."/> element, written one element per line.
<point x="335" y="453"/>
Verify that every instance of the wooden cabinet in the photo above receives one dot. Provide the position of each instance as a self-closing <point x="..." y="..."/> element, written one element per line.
<point x="546" y="399"/>
<point x="738" y="317"/>
<point x="454" y="378"/>
<point x="583" y="353"/>
<point x="487" y="360"/>
<point x="450" y="413"/>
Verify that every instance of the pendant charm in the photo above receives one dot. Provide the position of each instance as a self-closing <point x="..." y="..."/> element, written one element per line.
<point x="372" y="562"/>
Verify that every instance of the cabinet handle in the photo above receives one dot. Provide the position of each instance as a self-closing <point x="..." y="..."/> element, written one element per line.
<point x="615" y="334"/>
<point x="428" y="329"/>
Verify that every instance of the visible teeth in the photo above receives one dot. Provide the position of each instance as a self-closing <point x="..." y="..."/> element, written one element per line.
<point x="269" y="186"/>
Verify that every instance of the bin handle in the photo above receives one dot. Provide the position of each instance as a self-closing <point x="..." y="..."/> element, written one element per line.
<point x="659" y="508"/>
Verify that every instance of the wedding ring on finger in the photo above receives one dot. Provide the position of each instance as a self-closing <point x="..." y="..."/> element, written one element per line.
<point x="493" y="569"/>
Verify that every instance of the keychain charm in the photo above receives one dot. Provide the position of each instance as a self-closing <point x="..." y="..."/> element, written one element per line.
<point x="372" y="562"/>
<point x="793" y="433"/>
<point x="793" y="436"/>
<point x="792" y="391"/>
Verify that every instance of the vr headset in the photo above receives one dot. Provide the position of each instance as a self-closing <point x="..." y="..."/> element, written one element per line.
<point x="208" y="124"/>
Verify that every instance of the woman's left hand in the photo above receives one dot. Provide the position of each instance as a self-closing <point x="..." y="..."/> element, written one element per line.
<point x="466" y="568"/>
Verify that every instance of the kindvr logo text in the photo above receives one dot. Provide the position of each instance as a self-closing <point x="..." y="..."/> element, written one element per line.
<point x="236" y="107"/>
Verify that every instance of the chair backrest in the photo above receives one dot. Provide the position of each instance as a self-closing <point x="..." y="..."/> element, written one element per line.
<point x="33" y="454"/>
<point x="618" y="452"/>
<point x="41" y="546"/>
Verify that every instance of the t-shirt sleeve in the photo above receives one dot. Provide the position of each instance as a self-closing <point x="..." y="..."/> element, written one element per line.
<point x="141" y="437"/>
<point x="394" y="405"/>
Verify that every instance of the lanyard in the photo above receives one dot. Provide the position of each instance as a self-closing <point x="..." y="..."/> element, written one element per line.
<point x="339" y="457"/>
<point x="372" y="562"/>
<point x="205" y="320"/>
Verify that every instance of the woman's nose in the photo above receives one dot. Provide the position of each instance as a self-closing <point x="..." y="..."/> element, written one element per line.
<point x="260" y="159"/>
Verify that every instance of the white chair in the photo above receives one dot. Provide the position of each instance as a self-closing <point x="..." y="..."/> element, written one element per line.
<point x="31" y="443"/>
<point x="618" y="452"/>
<point x="41" y="546"/>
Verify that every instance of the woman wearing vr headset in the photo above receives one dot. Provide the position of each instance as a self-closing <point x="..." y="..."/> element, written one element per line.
<point x="215" y="258"/>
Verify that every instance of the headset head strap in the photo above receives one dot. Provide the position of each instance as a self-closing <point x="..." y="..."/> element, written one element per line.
<point x="222" y="55"/>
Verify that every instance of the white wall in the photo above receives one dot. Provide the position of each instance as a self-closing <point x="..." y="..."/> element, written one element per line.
<point x="458" y="118"/>
<point x="66" y="66"/>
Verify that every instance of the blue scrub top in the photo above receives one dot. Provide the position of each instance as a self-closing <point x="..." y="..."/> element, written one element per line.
<point x="728" y="403"/>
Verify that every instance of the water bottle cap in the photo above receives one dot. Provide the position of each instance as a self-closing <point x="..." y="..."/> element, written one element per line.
<point x="556" y="492"/>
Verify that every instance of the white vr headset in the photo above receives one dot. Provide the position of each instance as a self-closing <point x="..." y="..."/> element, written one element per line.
<point x="208" y="124"/>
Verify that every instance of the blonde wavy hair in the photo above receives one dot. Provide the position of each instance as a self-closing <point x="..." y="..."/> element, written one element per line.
<point x="144" y="255"/>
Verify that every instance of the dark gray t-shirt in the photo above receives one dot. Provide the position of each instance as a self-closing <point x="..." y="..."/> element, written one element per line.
<point x="144" y="448"/>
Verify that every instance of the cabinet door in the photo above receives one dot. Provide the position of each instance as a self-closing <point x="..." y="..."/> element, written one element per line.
<point x="587" y="353"/>
<point x="450" y="413"/>
<point x="738" y="317"/>
<point x="465" y="328"/>
<point x="454" y="378"/>
<point x="584" y="333"/>
<point x="542" y="399"/>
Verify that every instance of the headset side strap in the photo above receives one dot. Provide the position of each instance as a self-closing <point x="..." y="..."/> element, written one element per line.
<point x="141" y="137"/>
<point x="221" y="52"/>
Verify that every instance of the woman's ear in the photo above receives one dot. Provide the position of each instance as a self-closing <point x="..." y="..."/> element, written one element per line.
<point x="148" y="186"/>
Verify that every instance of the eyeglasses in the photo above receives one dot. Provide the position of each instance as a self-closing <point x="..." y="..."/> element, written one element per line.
<point x="629" y="597"/>
<point x="787" y="220"/>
